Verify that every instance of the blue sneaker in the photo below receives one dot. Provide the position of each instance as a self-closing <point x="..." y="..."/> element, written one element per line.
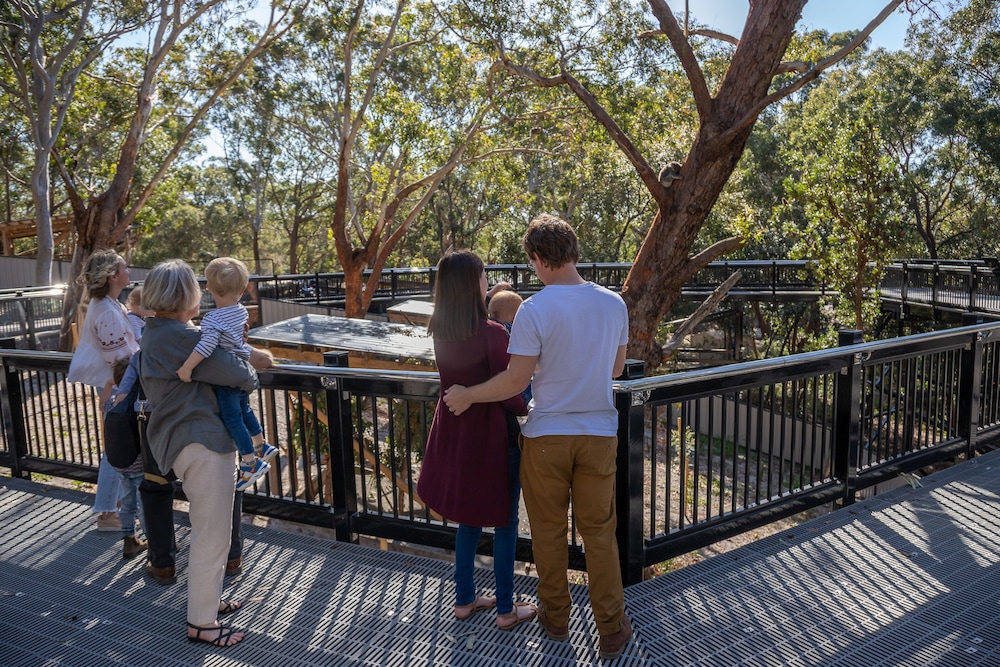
<point x="267" y="452"/>
<point x="250" y="473"/>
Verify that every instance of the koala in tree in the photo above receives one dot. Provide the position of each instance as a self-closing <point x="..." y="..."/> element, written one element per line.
<point x="670" y="173"/>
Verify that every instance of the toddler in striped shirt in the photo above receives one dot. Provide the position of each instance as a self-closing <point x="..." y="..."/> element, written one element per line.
<point x="225" y="327"/>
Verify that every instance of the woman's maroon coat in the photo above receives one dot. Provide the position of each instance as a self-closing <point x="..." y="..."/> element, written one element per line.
<point x="464" y="472"/>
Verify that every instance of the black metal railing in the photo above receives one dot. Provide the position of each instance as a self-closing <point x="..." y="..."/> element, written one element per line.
<point x="942" y="289"/>
<point x="703" y="455"/>
<point x="30" y="317"/>
<point x="771" y="276"/>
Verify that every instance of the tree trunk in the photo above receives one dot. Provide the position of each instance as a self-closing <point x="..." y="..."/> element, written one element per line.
<point x="354" y="285"/>
<point x="99" y="226"/>
<point x="40" y="187"/>
<point x="71" y="303"/>
<point x="663" y="265"/>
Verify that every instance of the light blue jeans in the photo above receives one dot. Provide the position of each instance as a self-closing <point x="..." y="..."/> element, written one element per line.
<point x="131" y="503"/>
<point x="109" y="488"/>
<point x="504" y="545"/>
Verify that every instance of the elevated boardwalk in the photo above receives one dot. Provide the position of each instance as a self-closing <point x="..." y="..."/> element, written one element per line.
<point x="911" y="577"/>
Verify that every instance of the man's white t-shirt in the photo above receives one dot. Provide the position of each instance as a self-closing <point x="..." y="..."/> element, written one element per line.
<point x="575" y="330"/>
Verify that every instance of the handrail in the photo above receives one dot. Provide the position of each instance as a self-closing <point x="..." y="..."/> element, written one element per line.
<point x="703" y="454"/>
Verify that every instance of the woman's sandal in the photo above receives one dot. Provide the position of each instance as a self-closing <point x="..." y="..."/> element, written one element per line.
<point x="464" y="611"/>
<point x="221" y="639"/>
<point x="229" y="606"/>
<point x="522" y="612"/>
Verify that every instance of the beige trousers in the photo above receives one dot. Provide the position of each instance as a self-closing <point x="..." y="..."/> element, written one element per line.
<point x="209" y="483"/>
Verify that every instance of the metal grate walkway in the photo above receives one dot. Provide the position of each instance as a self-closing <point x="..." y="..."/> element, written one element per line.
<point x="908" y="578"/>
<point x="67" y="598"/>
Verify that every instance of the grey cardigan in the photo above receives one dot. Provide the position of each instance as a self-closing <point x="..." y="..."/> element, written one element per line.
<point x="186" y="412"/>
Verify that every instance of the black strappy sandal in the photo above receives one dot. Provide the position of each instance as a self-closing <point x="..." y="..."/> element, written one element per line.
<point x="229" y="607"/>
<point x="221" y="639"/>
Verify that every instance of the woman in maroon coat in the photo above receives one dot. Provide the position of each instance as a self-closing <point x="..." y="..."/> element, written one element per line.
<point x="469" y="473"/>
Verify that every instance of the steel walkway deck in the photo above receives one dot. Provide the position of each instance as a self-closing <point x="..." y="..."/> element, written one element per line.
<point x="908" y="578"/>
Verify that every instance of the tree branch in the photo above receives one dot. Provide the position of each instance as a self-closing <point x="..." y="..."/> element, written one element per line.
<point x="269" y="36"/>
<point x="624" y="143"/>
<point x="812" y="73"/>
<point x="669" y="26"/>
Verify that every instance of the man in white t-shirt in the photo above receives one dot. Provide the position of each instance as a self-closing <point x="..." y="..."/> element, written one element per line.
<point x="568" y="341"/>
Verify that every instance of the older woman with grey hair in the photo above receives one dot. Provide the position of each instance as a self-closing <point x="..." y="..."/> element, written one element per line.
<point x="186" y="436"/>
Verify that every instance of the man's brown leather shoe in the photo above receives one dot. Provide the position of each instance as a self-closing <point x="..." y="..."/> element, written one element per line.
<point x="164" y="576"/>
<point x="612" y="646"/>
<point x="234" y="567"/>
<point x="557" y="633"/>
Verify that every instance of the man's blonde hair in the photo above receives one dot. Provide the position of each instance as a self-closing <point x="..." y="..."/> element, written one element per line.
<point x="227" y="276"/>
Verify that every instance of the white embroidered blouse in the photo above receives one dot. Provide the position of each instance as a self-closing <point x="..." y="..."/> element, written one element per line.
<point x="105" y="337"/>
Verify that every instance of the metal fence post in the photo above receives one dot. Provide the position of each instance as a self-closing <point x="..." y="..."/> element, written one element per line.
<point x="13" y="414"/>
<point x="973" y="288"/>
<point x="847" y="419"/>
<point x="343" y="494"/>
<point x="936" y="292"/>
<point x="629" y="496"/>
<point x="29" y="318"/>
<point x="970" y="382"/>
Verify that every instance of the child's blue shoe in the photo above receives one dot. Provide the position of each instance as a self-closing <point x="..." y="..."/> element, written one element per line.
<point x="250" y="473"/>
<point x="267" y="452"/>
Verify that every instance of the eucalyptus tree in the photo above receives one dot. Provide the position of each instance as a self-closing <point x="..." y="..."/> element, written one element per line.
<point x="47" y="46"/>
<point x="396" y="103"/>
<point x="539" y="42"/>
<point x="965" y="41"/>
<point x="846" y="183"/>
<point x="196" y="211"/>
<point x="301" y="205"/>
<point x="14" y="153"/>
<point x="196" y="50"/>
<point x="958" y="74"/>
<point x="945" y="176"/>
<point x="246" y="120"/>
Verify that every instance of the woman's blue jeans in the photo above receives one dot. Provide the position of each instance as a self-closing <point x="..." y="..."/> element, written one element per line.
<point x="504" y="544"/>
<point x="109" y="487"/>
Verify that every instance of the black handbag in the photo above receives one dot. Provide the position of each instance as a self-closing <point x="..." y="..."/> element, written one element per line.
<point x="121" y="430"/>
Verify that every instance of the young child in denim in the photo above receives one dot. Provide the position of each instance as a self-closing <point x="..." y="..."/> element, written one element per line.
<point x="125" y="372"/>
<point x="503" y="308"/>
<point x="225" y="326"/>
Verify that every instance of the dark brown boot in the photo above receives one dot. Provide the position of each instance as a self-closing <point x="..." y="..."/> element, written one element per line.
<point x="612" y="646"/>
<point x="164" y="576"/>
<point x="132" y="546"/>
<point x="234" y="567"/>
<point x="557" y="633"/>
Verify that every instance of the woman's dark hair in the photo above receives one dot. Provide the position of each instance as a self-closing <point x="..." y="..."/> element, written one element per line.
<point x="459" y="308"/>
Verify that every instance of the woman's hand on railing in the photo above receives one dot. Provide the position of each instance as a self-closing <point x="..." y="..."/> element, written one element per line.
<point x="261" y="359"/>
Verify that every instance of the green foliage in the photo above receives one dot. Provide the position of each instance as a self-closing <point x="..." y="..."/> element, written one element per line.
<point x="888" y="155"/>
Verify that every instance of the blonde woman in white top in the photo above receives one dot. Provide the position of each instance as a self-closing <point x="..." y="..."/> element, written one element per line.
<point x="105" y="337"/>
